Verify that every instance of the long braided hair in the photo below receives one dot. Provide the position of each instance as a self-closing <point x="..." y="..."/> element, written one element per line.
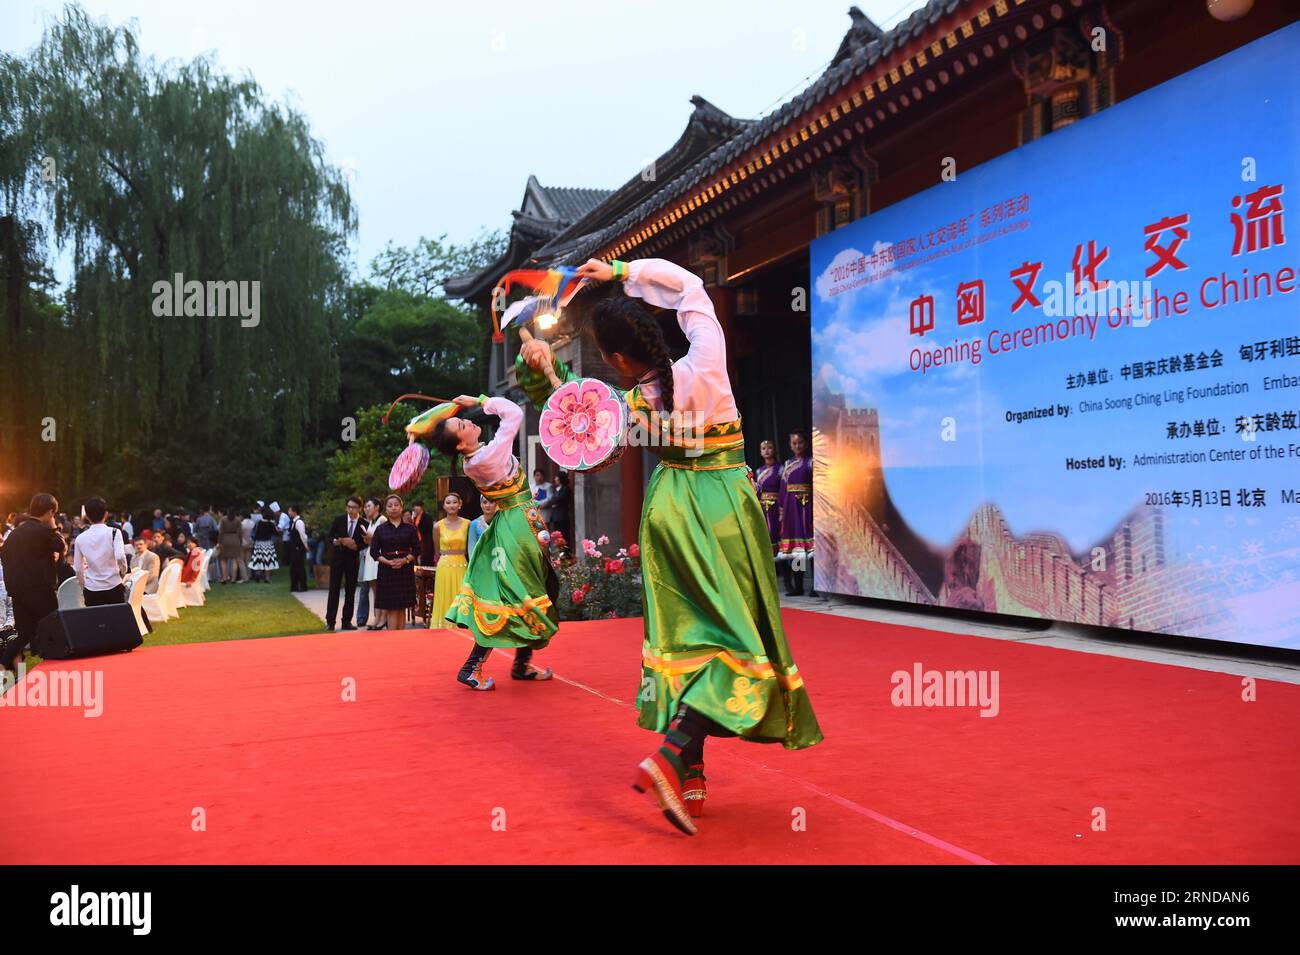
<point x="622" y="324"/>
<point x="447" y="442"/>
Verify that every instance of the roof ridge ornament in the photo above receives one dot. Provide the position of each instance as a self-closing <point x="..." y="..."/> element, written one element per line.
<point x="864" y="24"/>
<point x="862" y="32"/>
<point x="709" y="114"/>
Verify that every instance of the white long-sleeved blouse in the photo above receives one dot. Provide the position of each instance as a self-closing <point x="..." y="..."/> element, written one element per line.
<point x="701" y="385"/>
<point x="495" y="461"/>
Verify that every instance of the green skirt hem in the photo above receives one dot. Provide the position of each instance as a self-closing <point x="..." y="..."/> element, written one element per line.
<point x="509" y="591"/>
<point x="757" y="711"/>
<point x="714" y="639"/>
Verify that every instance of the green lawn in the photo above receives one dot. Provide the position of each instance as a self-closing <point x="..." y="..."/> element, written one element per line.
<point x="233" y="612"/>
<point x="240" y="612"/>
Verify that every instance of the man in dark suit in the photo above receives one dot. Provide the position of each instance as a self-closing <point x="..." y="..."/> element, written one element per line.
<point x="31" y="554"/>
<point x="424" y="526"/>
<point x="348" y="537"/>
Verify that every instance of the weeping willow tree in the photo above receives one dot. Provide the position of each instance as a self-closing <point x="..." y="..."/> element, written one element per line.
<point x="140" y="172"/>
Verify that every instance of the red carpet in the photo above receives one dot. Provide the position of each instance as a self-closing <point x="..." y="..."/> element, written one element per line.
<point x="256" y="733"/>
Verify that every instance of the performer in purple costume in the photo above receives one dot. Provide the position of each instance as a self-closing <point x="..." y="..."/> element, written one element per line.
<point x="797" y="515"/>
<point x="767" y="482"/>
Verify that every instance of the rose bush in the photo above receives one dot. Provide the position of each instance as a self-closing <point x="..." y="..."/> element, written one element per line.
<point x="593" y="586"/>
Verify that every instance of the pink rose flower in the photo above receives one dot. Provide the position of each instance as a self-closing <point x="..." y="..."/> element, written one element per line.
<point x="579" y="596"/>
<point x="634" y="550"/>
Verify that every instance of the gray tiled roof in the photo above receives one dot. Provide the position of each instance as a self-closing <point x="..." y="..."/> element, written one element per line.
<point x="559" y="215"/>
<point x="555" y="208"/>
<point x="863" y="46"/>
<point x="857" y="54"/>
<point x="706" y="129"/>
<point x="572" y="204"/>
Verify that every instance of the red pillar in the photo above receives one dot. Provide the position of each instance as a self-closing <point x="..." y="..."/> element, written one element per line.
<point x="722" y="299"/>
<point x="632" y="489"/>
<point x="633" y="494"/>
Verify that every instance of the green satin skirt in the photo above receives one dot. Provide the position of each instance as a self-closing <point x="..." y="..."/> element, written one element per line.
<point x="714" y="638"/>
<point x="508" y="596"/>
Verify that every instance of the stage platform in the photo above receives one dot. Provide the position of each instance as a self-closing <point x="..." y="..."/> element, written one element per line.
<point x="256" y="739"/>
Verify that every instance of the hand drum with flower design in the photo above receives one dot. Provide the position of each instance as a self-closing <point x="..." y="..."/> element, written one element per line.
<point x="584" y="425"/>
<point x="409" y="468"/>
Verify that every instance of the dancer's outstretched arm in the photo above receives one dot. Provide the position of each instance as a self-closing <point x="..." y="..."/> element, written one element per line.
<point x="530" y="363"/>
<point x="701" y="382"/>
<point x="660" y="283"/>
<point x="667" y="285"/>
<point x="511" y="415"/>
<point x="495" y="460"/>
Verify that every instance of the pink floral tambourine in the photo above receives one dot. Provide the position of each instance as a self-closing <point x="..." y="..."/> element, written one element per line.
<point x="584" y="425"/>
<point x="409" y="468"/>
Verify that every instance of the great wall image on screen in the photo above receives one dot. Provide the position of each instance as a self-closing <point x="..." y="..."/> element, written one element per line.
<point x="866" y="548"/>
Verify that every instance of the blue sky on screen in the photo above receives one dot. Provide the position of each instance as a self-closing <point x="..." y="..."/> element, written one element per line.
<point x="1103" y="179"/>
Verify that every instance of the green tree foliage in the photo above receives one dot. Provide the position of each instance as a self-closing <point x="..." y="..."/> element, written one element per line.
<point x="138" y="171"/>
<point x="422" y="269"/>
<point x="158" y="170"/>
<point x="402" y="336"/>
<point x="362" y="466"/>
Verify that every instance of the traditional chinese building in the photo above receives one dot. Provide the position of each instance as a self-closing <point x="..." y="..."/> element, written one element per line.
<point x="738" y="201"/>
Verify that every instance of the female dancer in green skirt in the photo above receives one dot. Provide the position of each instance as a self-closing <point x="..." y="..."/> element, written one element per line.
<point x="508" y="595"/>
<point x="715" y="660"/>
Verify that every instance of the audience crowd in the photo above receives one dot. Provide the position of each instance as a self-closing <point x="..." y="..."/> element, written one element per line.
<point x="43" y="547"/>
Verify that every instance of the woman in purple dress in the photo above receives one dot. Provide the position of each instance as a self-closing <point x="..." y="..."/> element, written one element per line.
<point x="767" y="482"/>
<point x="396" y="546"/>
<point x="797" y="515"/>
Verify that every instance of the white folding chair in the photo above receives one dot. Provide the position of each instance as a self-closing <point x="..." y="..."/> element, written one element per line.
<point x="135" y="598"/>
<point x="130" y="581"/>
<point x="161" y="607"/>
<point x="154" y="604"/>
<point x="192" y="594"/>
<point x="70" y="595"/>
<point x="175" y="600"/>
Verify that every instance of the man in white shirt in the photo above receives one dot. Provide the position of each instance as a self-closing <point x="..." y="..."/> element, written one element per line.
<point x="297" y="547"/>
<point x="282" y="523"/>
<point x="541" y="486"/>
<point x="246" y="544"/>
<point x="99" y="557"/>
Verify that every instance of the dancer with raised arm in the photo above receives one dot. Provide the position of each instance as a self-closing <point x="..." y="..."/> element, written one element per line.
<point x="714" y="660"/>
<point x="508" y="595"/>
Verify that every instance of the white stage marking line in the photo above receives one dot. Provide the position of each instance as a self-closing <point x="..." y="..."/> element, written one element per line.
<point x="907" y="830"/>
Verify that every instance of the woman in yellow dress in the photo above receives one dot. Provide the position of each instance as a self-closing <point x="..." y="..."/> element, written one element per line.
<point x="450" y="548"/>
